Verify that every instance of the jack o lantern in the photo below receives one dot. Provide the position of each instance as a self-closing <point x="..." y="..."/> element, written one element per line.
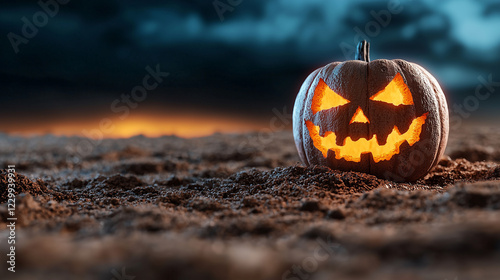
<point x="388" y="118"/>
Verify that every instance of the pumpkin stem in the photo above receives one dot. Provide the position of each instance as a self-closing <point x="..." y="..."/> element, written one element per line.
<point x="363" y="51"/>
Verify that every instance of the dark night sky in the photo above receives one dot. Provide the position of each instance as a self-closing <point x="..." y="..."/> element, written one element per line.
<point x="255" y="59"/>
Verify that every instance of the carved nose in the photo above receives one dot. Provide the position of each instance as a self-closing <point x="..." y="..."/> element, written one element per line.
<point x="359" y="117"/>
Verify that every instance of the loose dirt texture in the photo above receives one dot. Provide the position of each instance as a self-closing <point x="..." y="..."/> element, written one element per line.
<point x="233" y="207"/>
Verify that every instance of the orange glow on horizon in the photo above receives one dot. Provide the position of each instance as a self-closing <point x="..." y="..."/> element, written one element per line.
<point x="150" y="126"/>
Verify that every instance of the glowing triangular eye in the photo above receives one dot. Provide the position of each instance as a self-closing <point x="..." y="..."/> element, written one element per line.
<point x="325" y="98"/>
<point x="396" y="93"/>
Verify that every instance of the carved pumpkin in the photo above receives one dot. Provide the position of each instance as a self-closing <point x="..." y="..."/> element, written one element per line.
<point x="388" y="118"/>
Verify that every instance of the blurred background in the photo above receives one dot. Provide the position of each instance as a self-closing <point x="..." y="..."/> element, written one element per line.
<point x="233" y="64"/>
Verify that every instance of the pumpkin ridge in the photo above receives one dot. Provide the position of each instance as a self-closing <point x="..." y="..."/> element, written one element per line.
<point x="306" y="156"/>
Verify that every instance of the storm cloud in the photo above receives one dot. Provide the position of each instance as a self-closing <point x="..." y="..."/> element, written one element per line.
<point x="250" y="60"/>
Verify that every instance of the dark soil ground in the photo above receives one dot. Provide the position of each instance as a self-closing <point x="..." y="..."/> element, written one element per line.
<point x="242" y="207"/>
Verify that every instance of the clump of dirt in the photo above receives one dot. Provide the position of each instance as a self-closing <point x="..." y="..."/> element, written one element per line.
<point x="25" y="185"/>
<point x="450" y="171"/>
<point x="34" y="211"/>
<point x="121" y="182"/>
<point x="481" y="195"/>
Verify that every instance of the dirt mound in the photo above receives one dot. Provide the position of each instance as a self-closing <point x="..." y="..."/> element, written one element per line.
<point x="25" y="185"/>
<point x="450" y="171"/>
<point x="228" y="207"/>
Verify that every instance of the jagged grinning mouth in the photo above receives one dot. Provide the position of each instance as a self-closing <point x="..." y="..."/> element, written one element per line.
<point x="352" y="150"/>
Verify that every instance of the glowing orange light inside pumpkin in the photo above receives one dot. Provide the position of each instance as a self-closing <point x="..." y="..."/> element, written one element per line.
<point x="396" y="93"/>
<point x="352" y="150"/>
<point x="325" y="98"/>
<point x="359" y="117"/>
